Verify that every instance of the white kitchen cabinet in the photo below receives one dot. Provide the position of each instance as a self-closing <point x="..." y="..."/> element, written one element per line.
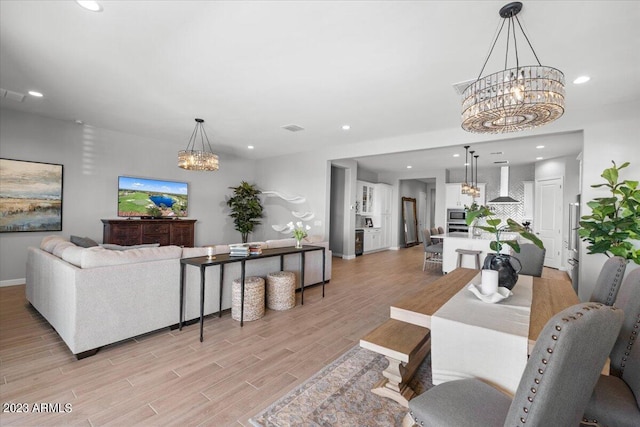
<point x="456" y="200"/>
<point x="385" y="233"/>
<point x="382" y="202"/>
<point x="372" y="239"/>
<point x="366" y="197"/>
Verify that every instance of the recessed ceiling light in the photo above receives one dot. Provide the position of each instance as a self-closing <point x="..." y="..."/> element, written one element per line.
<point x="93" y="6"/>
<point x="346" y="127"/>
<point x="456" y="155"/>
<point x="78" y="122"/>
<point x="36" y="94"/>
<point x="409" y="167"/>
<point x="250" y="147"/>
<point x="539" y="146"/>
<point x="581" y="79"/>
<point x="539" y="158"/>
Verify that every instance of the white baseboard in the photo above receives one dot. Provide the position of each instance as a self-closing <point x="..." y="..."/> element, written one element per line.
<point x="348" y="257"/>
<point x="12" y="282"/>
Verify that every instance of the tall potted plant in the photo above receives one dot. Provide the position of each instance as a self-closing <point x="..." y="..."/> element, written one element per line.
<point x="246" y="208"/>
<point x="507" y="274"/>
<point x="614" y="221"/>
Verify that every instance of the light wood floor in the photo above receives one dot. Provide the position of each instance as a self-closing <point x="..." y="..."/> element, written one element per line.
<point x="170" y="378"/>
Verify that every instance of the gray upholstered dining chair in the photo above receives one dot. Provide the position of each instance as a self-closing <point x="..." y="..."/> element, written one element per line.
<point x="616" y="398"/>
<point x="434" y="231"/>
<point x="609" y="281"/>
<point x="432" y="251"/>
<point x="555" y="386"/>
<point x="531" y="258"/>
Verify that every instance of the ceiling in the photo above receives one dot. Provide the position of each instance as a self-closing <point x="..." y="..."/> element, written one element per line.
<point x="248" y="68"/>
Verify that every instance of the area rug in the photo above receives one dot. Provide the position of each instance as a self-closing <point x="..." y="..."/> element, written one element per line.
<point x="340" y="395"/>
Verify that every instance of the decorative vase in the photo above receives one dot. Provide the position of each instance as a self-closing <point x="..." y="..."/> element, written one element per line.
<point x="507" y="274"/>
<point x="298" y="243"/>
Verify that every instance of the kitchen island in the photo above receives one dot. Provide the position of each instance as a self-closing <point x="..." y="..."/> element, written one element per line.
<point x="453" y="241"/>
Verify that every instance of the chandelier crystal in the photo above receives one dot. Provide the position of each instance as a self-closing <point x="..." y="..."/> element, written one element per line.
<point x="513" y="99"/>
<point x="198" y="160"/>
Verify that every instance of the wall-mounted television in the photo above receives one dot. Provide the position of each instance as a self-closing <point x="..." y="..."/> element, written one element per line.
<point x="145" y="197"/>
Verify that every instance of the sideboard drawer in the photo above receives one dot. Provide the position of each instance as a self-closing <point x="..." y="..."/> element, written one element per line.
<point x="150" y="228"/>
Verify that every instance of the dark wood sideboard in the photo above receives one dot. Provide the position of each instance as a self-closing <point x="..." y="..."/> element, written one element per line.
<point x="127" y="232"/>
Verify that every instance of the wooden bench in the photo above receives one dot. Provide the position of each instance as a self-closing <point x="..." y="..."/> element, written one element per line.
<point x="405" y="346"/>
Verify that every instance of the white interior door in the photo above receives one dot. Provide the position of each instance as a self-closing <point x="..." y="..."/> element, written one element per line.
<point x="548" y="219"/>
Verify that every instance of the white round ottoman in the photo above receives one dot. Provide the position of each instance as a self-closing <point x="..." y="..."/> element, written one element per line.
<point x="253" y="298"/>
<point x="281" y="290"/>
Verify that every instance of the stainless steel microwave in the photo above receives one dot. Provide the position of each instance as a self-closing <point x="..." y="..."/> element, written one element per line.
<point x="457" y="215"/>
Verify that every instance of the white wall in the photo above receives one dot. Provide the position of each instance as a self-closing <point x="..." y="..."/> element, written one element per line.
<point x="300" y="175"/>
<point x="610" y="132"/>
<point x="93" y="158"/>
<point x="615" y="138"/>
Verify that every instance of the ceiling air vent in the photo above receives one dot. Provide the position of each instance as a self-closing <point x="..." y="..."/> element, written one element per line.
<point x="293" y="128"/>
<point x="14" y="96"/>
<point x="461" y="86"/>
<point x="501" y="162"/>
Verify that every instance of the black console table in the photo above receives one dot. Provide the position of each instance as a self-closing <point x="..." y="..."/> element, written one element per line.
<point x="204" y="261"/>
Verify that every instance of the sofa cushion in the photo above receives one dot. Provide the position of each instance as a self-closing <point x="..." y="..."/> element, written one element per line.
<point x="73" y="254"/>
<point x="49" y="243"/>
<point x="222" y="249"/>
<point x="84" y="242"/>
<point x="61" y="247"/>
<point x="101" y="257"/>
<point x="194" y="252"/>
<point x="114" y="247"/>
<point x="281" y="243"/>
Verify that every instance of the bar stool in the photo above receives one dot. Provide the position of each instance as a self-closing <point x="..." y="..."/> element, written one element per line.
<point x="462" y="252"/>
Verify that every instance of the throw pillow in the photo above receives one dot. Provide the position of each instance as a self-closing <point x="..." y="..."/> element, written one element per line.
<point x="84" y="242"/>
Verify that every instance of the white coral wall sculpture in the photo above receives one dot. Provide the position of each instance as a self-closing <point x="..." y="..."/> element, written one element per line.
<point x="304" y="216"/>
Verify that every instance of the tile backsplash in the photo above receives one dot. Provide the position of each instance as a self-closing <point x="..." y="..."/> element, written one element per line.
<point x="491" y="176"/>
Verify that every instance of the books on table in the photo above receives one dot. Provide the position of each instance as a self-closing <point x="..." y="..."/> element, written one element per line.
<point x="244" y="249"/>
<point x="240" y="249"/>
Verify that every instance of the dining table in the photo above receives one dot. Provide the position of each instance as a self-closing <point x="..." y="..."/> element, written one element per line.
<point x="471" y="338"/>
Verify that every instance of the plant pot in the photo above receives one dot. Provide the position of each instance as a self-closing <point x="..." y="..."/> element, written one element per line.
<point x="507" y="274"/>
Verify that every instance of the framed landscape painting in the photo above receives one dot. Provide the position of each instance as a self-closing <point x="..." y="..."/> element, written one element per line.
<point x="30" y="196"/>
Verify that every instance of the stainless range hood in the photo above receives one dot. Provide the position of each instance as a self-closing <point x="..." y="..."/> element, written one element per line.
<point x="504" y="188"/>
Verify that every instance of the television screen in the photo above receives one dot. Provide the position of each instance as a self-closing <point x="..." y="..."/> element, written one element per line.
<point x="145" y="197"/>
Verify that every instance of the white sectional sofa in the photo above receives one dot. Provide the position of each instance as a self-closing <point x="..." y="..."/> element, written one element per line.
<point x="97" y="296"/>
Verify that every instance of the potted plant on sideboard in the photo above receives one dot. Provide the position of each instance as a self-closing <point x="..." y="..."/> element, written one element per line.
<point x="246" y="208"/>
<point x="614" y="222"/>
